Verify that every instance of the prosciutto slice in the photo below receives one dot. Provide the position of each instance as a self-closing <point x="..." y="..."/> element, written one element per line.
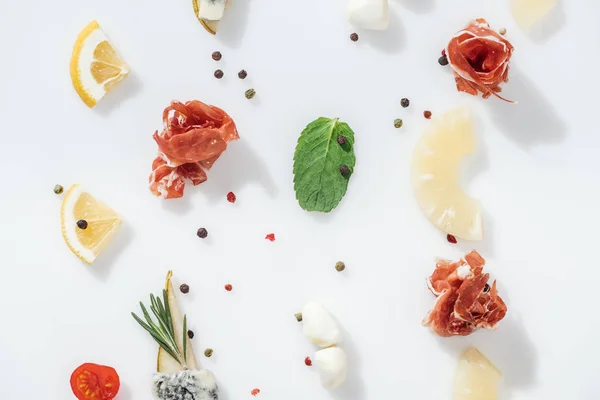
<point x="480" y="59"/>
<point x="465" y="302"/>
<point x="193" y="138"/>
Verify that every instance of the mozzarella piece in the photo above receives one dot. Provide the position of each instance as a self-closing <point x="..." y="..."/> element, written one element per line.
<point x="332" y="366"/>
<point x="201" y="384"/>
<point x="319" y="326"/>
<point x="369" y="14"/>
<point x="211" y="10"/>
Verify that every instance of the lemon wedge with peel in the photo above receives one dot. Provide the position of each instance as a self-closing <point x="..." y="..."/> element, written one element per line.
<point x="95" y="65"/>
<point x="434" y="171"/>
<point x="99" y="222"/>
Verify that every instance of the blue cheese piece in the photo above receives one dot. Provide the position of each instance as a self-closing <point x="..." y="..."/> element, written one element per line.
<point x="185" y="385"/>
<point x="211" y="10"/>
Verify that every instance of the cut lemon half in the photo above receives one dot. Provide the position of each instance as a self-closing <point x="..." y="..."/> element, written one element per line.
<point x="102" y="224"/>
<point x="476" y="377"/>
<point x="434" y="170"/>
<point x="95" y="65"/>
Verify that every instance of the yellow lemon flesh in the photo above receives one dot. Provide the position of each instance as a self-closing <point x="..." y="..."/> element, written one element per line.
<point x="95" y="65"/>
<point x="102" y="224"/>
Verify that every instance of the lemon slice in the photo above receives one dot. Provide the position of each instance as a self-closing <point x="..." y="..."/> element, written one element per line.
<point x="95" y="65"/>
<point x="434" y="170"/>
<point x="476" y="377"/>
<point x="102" y="224"/>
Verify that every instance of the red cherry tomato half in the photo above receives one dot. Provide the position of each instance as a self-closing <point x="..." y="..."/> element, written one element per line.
<point x="95" y="382"/>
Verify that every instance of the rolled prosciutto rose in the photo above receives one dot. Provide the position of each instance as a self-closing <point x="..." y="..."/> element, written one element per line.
<point x="464" y="300"/>
<point x="479" y="57"/>
<point x="193" y="138"/>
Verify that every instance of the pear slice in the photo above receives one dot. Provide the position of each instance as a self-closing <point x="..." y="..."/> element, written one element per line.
<point x="165" y="363"/>
<point x="476" y="377"/>
<point x="210" y="26"/>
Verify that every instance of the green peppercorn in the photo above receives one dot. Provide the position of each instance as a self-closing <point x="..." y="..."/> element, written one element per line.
<point x="208" y="353"/>
<point x="340" y="266"/>
<point x="58" y="189"/>
<point x="250" y="93"/>
<point x="398" y="123"/>
<point x="298" y="317"/>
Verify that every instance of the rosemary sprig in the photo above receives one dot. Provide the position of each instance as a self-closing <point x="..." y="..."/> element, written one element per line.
<point x="163" y="331"/>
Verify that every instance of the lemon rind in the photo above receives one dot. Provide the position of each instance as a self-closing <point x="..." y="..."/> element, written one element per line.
<point x="74" y="65"/>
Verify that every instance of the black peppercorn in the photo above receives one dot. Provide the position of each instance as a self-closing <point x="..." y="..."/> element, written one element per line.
<point x="184" y="288"/>
<point x="341" y="140"/>
<point x="242" y="74"/>
<point x="218" y="74"/>
<point x="405" y="102"/>
<point x="486" y="288"/>
<point x="216" y="55"/>
<point x="82" y="224"/>
<point x="354" y="37"/>
<point x="344" y="170"/>
<point x="443" y="60"/>
<point x="202" y="233"/>
<point x="191" y="334"/>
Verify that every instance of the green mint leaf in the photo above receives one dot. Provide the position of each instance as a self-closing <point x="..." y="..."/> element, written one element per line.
<point x="318" y="182"/>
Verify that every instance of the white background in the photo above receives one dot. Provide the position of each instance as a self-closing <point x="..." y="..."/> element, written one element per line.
<point x="536" y="173"/>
